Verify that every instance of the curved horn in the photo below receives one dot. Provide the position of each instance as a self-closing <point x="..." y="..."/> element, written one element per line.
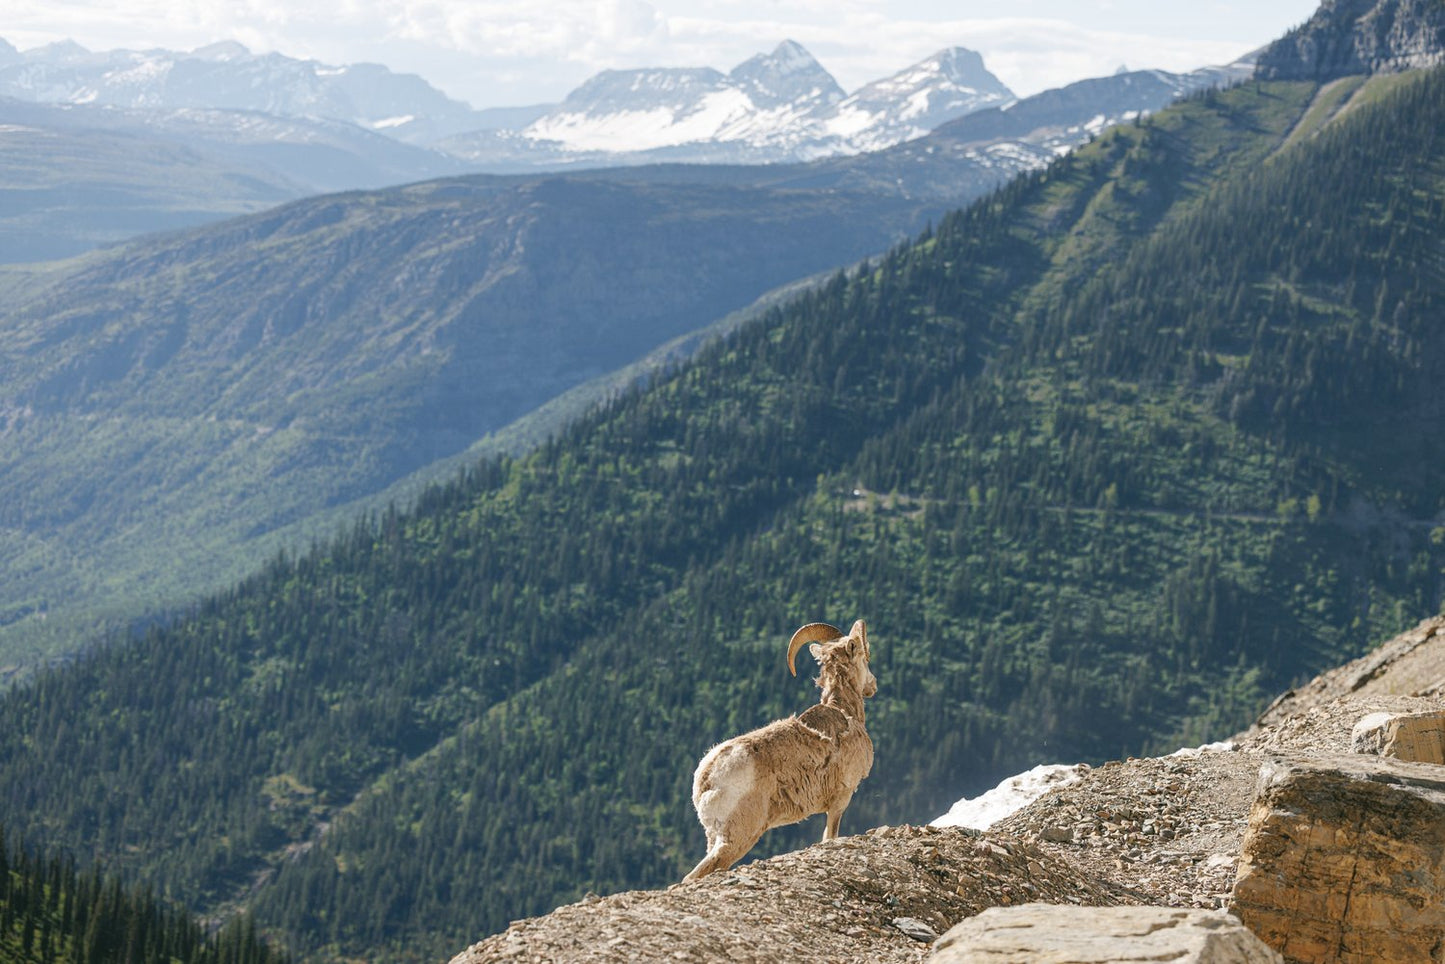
<point x="811" y="633"/>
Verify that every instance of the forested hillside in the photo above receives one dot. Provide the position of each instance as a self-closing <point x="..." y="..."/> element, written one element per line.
<point x="1105" y="460"/>
<point x="175" y="409"/>
<point x="50" y="913"/>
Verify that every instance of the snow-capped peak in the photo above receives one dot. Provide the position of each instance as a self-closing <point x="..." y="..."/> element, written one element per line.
<point x="222" y="52"/>
<point x="788" y="75"/>
<point x="227" y="76"/>
<point x="963" y="66"/>
<point x="782" y="104"/>
<point x="912" y="102"/>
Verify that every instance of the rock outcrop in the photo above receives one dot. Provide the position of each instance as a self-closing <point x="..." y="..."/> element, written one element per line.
<point x="1347" y="37"/>
<point x="1344" y="860"/>
<point x="1412" y="737"/>
<point x="1044" y="933"/>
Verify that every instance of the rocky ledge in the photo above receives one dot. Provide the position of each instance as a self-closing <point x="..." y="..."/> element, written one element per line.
<point x="1317" y="831"/>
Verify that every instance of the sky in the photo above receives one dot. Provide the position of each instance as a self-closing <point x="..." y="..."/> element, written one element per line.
<point x="500" y="53"/>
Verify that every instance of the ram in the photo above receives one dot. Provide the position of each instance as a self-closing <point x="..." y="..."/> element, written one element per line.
<point x="793" y="768"/>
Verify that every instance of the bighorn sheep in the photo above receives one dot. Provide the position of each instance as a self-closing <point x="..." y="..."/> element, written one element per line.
<point x="793" y="768"/>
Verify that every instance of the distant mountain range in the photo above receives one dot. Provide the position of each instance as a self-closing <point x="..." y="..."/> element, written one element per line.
<point x="80" y="176"/>
<point x="509" y="290"/>
<point x="103" y="147"/>
<point x="227" y="76"/>
<point x="781" y="106"/>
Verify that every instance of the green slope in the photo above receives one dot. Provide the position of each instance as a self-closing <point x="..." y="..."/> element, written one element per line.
<point x="1105" y="460"/>
<point x="168" y="408"/>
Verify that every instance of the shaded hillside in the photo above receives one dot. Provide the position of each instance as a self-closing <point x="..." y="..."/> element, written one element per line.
<point x="167" y="404"/>
<point x="50" y="913"/>
<point x="1105" y="460"/>
<point x="80" y="177"/>
<point x="70" y="189"/>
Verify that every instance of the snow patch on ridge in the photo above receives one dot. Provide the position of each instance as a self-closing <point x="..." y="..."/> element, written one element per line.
<point x="1010" y="796"/>
<point x="1018" y="791"/>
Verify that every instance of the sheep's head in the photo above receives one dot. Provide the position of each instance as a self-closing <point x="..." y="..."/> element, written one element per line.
<point x="827" y="640"/>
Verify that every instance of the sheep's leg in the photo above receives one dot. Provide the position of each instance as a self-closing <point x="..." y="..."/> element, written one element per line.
<point x="835" y="817"/>
<point x="721" y="855"/>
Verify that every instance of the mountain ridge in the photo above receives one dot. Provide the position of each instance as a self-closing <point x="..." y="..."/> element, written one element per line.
<point x="398" y="327"/>
<point x="227" y="75"/>
<point x="859" y="205"/>
<point x="700" y="114"/>
<point x="755" y="104"/>
<point x="1347" y="37"/>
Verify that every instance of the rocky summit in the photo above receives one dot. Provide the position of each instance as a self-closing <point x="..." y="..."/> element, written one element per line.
<point x="1310" y="837"/>
<point x="1347" y="37"/>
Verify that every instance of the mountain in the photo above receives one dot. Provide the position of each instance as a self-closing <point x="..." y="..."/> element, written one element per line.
<point x="1065" y="111"/>
<point x="72" y="187"/>
<point x="1106" y="460"/>
<point x="952" y="83"/>
<point x="974" y="154"/>
<point x="772" y="107"/>
<point x="227" y="76"/>
<point x="93" y="174"/>
<point x="83" y="176"/>
<point x="192" y="531"/>
<point x="777" y="107"/>
<point x="764" y="99"/>
<point x="223" y="385"/>
<point x="1347" y="37"/>
<point x="788" y="77"/>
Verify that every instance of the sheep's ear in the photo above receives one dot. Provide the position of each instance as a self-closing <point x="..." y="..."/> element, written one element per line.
<point x="859" y="637"/>
<point x="817" y="651"/>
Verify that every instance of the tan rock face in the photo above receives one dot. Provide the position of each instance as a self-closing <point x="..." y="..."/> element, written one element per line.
<point x="1413" y="737"/>
<point x="1344" y="860"/>
<point x="1052" y="934"/>
<point x="1411" y="664"/>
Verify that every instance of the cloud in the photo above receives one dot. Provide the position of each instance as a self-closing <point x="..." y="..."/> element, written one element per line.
<point x="630" y="21"/>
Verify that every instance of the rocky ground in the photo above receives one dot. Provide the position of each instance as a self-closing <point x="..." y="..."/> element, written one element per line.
<point x="881" y="896"/>
<point x="1162" y="831"/>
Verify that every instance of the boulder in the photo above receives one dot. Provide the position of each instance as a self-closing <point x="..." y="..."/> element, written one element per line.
<point x="1342" y="860"/>
<point x="1413" y="737"/>
<point x="1044" y="933"/>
